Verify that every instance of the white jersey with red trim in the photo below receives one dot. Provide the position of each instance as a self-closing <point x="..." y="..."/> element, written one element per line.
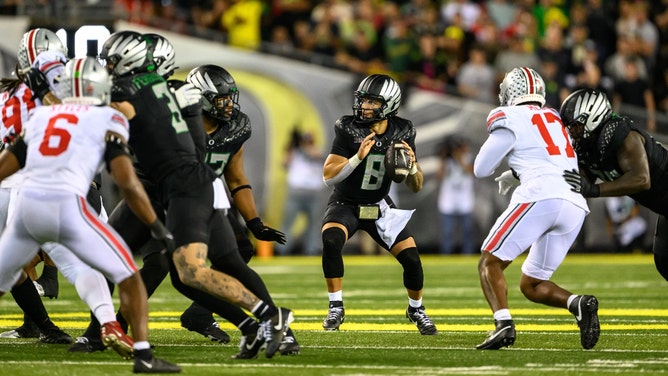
<point x="540" y="154"/>
<point x="66" y="145"/>
<point x="15" y="111"/>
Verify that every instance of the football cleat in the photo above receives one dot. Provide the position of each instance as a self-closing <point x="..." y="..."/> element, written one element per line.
<point x="502" y="336"/>
<point x="113" y="336"/>
<point x="421" y="320"/>
<point x="27" y="330"/>
<point x="145" y="362"/>
<point x="55" y="336"/>
<point x="250" y="345"/>
<point x="335" y="317"/>
<point x="585" y="310"/>
<point x="274" y="330"/>
<point x="289" y="346"/>
<point x="211" y="331"/>
<point x="86" y="345"/>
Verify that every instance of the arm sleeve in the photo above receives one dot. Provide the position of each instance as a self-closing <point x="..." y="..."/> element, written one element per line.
<point x="492" y="152"/>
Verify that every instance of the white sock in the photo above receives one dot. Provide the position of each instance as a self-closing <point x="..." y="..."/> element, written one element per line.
<point x="415" y="303"/>
<point x="336" y="296"/>
<point x="142" y="345"/>
<point x="502" y="314"/>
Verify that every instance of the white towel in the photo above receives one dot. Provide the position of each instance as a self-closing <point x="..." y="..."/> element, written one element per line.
<point x="391" y="222"/>
<point x="220" y="200"/>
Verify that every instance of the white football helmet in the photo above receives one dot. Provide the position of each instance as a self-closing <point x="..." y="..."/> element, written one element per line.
<point x="84" y="81"/>
<point x="522" y="85"/>
<point x="163" y="55"/>
<point x="36" y="41"/>
<point x="127" y="52"/>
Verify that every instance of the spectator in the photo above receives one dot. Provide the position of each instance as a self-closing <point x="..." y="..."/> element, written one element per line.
<point x="430" y="72"/>
<point x="243" y="23"/>
<point x="634" y="91"/>
<point x="456" y="196"/>
<point x="625" y="224"/>
<point x="516" y="55"/>
<point x="476" y="77"/>
<point x="303" y="161"/>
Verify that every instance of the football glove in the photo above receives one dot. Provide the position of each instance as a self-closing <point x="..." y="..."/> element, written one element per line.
<point x="187" y="95"/>
<point x="507" y="181"/>
<point x="580" y="184"/>
<point x="37" y="82"/>
<point x="262" y="232"/>
<point x="160" y="233"/>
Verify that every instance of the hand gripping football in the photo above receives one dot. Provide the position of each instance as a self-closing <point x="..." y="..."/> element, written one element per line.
<point x="397" y="162"/>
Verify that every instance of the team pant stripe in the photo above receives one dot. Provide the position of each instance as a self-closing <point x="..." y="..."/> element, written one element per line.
<point x="108" y="236"/>
<point x="506" y="226"/>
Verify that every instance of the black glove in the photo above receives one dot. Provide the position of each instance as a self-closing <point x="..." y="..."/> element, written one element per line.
<point x="160" y="233"/>
<point x="262" y="232"/>
<point x="581" y="185"/>
<point x="37" y="82"/>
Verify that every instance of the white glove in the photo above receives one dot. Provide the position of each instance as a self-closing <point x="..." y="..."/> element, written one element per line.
<point x="187" y="95"/>
<point x="506" y="182"/>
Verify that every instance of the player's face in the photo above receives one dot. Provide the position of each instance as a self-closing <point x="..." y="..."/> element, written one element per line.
<point x="224" y="104"/>
<point x="369" y="106"/>
<point x="576" y="131"/>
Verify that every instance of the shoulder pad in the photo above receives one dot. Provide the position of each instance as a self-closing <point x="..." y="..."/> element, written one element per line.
<point x="346" y="125"/>
<point x="496" y="119"/>
<point x="403" y="129"/>
<point x="613" y="134"/>
<point x="232" y="134"/>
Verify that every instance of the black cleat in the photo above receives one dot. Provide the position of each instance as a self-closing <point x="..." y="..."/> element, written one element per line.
<point x="155" y="365"/>
<point x="55" y="336"/>
<point x="86" y="345"/>
<point x="27" y="330"/>
<point x="421" y="320"/>
<point x="585" y="309"/>
<point x="211" y="331"/>
<point x="250" y="345"/>
<point x="274" y="330"/>
<point x="502" y="336"/>
<point x="289" y="346"/>
<point x="335" y="317"/>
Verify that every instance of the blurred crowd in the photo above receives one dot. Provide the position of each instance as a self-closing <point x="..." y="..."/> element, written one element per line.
<point x="458" y="47"/>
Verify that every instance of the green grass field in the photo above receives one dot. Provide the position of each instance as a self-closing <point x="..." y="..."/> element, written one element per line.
<point x="376" y="338"/>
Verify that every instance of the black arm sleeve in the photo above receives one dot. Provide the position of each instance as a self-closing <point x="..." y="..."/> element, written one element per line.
<point x="19" y="149"/>
<point x="115" y="147"/>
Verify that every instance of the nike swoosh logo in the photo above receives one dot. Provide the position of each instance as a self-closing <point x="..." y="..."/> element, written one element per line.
<point x="146" y="364"/>
<point x="279" y="326"/>
<point x="252" y="344"/>
<point x="578" y="317"/>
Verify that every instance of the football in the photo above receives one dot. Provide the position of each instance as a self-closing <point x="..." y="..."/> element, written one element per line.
<point x="397" y="162"/>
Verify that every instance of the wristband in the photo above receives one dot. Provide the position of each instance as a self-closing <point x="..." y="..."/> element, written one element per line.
<point x="354" y="161"/>
<point x="413" y="169"/>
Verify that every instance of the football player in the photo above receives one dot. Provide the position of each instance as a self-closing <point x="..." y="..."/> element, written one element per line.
<point x="227" y="128"/>
<point x="60" y="156"/>
<point x="623" y="155"/>
<point x="189" y="189"/>
<point x="360" y="198"/>
<point x="544" y="215"/>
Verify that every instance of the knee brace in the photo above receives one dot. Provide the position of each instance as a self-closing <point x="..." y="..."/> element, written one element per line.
<point x="333" y="240"/>
<point x="409" y="258"/>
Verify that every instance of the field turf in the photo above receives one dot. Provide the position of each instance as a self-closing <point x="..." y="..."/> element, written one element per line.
<point x="377" y="339"/>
